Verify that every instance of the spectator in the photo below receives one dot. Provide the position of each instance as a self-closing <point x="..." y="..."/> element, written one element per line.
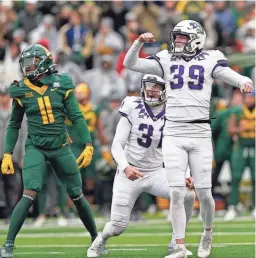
<point x="30" y="17"/>
<point x="64" y="65"/>
<point x="147" y="13"/>
<point x="12" y="183"/>
<point x="167" y="19"/>
<point x="107" y="41"/>
<point x="119" y="64"/>
<point x="11" y="66"/>
<point x="76" y="39"/>
<point x="91" y="14"/>
<point x="116" y="11"/>
<point x="246" y="36"/>
<point x="103" y="80"/>
<point x="212" y="27"/>
<point x="19" y="38"/>
<point x="227" y="22"/>
<point x="46" y="30"/>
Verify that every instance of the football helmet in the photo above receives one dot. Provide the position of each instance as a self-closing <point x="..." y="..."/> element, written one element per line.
<point x="196" y="38"/>
<point x="35" y="60"/>
<point x="153" y="90"/>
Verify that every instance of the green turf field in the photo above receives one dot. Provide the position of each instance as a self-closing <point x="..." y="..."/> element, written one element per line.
<point x="148" y="239"/>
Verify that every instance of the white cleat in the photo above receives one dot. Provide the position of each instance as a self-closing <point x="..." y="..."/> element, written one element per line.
<point x="97" y="248"/>
<point x="39" y="222"/>
<point x="205" y="246"/>
<point x="177" y="251"/>
<point x="171" y="246"/>
<point x="62" y="221"/>
<point x="254" y="213"/>
<point x="231" y="214"/>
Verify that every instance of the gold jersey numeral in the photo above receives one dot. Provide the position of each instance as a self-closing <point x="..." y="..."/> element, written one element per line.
<point x="45" y="109"/>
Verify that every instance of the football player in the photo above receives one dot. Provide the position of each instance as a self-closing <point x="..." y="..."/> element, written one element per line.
<point x="188" y="71"/>
<point x="241" y="127"/>
<point x="45" y="97"/>
<point x="137" y="149"/>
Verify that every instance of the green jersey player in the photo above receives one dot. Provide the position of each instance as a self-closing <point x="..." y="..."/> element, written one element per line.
<point x="46" y="97"/>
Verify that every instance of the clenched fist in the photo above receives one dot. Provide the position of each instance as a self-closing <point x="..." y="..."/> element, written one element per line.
<point x="132" y="173"/>
<point x="147" y="38"/>
<point x="246" y="88"/>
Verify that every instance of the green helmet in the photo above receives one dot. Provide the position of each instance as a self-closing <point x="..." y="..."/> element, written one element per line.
<point x="35" y="60"/>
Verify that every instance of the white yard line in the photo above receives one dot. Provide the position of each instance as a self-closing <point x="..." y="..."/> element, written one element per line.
<point x="128" y="245"/>
<point x="85" y="234"/>
<point x="40" y="253"/>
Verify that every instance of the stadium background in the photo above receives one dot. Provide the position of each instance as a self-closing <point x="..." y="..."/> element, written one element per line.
<point x="89" y="40"/>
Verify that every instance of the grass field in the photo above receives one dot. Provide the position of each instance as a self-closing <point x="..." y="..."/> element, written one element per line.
<point x="147" y="239"/>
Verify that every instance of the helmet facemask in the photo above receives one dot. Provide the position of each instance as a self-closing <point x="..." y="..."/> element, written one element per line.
<point x="185" y="50"/>
<point x="153" y="92"/>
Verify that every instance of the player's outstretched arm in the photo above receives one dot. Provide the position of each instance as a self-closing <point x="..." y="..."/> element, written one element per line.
<point x="133" y="62"/>
<point x="233" y="78"/>
<point x="12" y="135"/>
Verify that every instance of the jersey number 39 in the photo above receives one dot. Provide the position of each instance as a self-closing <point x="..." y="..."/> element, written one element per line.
<point x="196" y="73"/>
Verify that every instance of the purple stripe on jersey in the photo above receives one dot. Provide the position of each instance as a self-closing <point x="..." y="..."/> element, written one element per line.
<point x="222" y="62"/>
<point x="157" y="58"/>
<point x="151" y="114"/>
<point x="126" y="116"/>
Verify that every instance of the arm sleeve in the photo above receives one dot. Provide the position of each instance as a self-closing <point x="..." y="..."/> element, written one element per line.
<point x="122" y="133"/>
<point x="14" y="125"/>
<point x="146" y="66"/>
<point x="229" y="76"/>
<point x="75" y="115"/>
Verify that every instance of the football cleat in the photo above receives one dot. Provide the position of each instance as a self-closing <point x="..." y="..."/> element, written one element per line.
<point x="6" y="251"/>
<point x="178" y="251"/>
<point x="205" y="246"/>
<point x="98" y="247"/>
<point x="231" y="214"/>
<point x="171" y="246"/>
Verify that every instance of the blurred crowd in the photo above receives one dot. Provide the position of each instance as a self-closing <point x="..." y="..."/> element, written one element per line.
<point x="89" y="40"/>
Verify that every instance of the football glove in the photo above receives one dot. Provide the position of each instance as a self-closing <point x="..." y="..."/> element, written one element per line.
<point x="85" y="157"/>
<point x="7" y="165"/>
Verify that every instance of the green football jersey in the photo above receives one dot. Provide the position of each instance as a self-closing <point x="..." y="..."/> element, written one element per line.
<point x="46" y="106"/>
<point x="222" y="140"/>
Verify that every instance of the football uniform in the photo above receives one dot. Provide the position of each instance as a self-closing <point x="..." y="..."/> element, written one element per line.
<point x="187" y="128"/>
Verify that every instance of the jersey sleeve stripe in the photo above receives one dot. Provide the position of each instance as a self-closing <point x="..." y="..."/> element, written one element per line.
<point x="67" y="93"/>
<point x="125" y="115"/>
<point x="222" y="62"/>
<point x="19" y="101"/>
<point x="154" y="57"/>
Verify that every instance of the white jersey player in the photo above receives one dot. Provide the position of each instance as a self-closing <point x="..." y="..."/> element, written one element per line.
<point x="137" y="149"/>
<point x="189" y="72"/>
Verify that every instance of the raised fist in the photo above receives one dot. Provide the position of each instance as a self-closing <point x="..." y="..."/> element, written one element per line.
<point x="147" y="38"/>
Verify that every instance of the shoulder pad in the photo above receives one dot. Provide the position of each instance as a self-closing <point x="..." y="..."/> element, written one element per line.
<point x="65" y="81"/>
<point x="217" y="55"/>
<point x="16" y="89"/>
<point x="128" y="104"/>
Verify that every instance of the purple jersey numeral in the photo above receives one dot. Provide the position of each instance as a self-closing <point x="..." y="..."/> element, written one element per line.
<point x="196" y="72"/>
<point x="146" y="140"/>
<point x="177" y="76"/>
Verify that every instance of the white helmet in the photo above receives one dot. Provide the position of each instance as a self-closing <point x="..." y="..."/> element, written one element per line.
<point x="153" y="96"/>
<point x="195" y="33"/>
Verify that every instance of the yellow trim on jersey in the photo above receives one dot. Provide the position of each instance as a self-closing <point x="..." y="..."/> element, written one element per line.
<point x="42" y="110"/>
<point x="19" y="101"/>
<point x="39" y="90"/>
<point x="49" y="109"/>
<point x="67" y="93"/>
<point x="249" y="114"/>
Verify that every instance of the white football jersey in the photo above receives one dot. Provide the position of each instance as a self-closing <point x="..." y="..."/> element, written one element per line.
<point x="189" y="86"/>
<point x="144" y="146"/>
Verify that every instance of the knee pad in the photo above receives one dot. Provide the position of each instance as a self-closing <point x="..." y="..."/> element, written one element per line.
<point x="33" y="185"/>
<point x="120" y="215"/>
<point x="75" y="193"/>
<point x="177" y="195"/>
<point x="204" y="195"/>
